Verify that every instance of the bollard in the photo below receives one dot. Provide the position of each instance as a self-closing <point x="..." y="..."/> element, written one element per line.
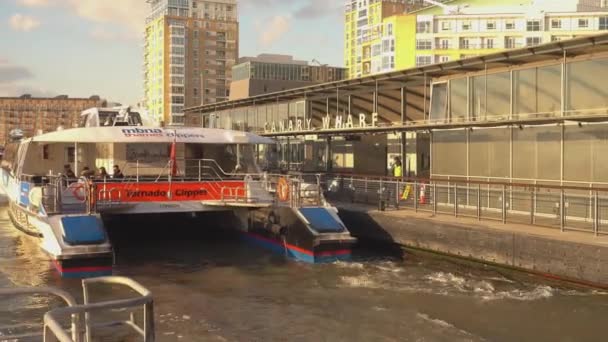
<point x="397" y="195"/>
<point x="381" y="199"/>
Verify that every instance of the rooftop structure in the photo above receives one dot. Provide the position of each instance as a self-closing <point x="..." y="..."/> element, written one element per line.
<point x="269" y="73"/>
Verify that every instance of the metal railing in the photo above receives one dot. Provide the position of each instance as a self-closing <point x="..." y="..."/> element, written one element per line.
<point x="193" y="169"/>
<point x="82" y="327"/>
<point x="6" y="333"/>
<point x="568" y="208"/>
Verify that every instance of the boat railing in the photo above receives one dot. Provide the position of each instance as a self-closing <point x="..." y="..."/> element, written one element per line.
<point x="52" y="190"/>
<point x="187" y="170"/>
<point x="82" y="327"/>
<point x="303" y="191"/>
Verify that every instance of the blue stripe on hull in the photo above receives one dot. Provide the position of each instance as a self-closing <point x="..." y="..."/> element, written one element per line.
<point x="279" y="248"/>
<point x="88" y="274"/>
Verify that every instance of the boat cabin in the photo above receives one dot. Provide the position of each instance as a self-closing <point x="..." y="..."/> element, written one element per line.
<point x="122" y="116"/>
<point x="140" y="152"/>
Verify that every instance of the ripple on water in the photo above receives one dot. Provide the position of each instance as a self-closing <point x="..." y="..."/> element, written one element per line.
<point x="441" y="324"/>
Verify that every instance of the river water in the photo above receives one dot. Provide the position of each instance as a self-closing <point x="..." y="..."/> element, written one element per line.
<point x="213" y="287"/>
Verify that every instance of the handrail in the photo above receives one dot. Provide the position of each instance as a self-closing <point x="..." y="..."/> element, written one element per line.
<point x="462" y="181"/>
<point x="52" y="328"/>
<point x="67" y="298"/>
<point x="568" y="207"/>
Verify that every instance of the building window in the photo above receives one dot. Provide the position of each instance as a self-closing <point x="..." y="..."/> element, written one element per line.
<point x="423" y="27"/>
<point x="533" y="41"/>
<point x="509" y="42"/>
<point x="489" y="43"/>
<point x="556" y="24"/>
<point x="376" y="50"/>
<point x="446" y="25"/>
<point x="510" y="25"/>
<point x="423" y="60"/>
<point x="445" y="44"/>
<point x="389" y="29"/>
<point x="603" y="23"/>
<point x="491" y="25"/>
<point x="443" y="59"/>
<point x="466" y="25"/>
<point x="423" y="44"/>
<point x="386" y="45"/>
<point x="583" y="23"/>
<point x="464" y="43"/>
<point x="533" y="25"/>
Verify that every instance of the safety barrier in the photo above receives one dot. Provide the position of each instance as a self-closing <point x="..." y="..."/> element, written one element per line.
<point x="563" y="207"/>
<point x="82" y="327"/>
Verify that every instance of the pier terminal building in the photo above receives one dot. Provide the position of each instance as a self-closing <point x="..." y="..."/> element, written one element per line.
<point x="532" y="115"/>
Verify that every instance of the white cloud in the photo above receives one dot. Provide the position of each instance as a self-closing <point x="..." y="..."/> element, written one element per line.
<point x="34" y="3"/>
<point x="273" y="29"/>
<point x="20" y="22"/>
<point x="130" y="14"/>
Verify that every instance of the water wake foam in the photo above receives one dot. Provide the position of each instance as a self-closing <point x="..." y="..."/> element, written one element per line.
<point x="486" y="290"/>
<point x="360" y="281"/>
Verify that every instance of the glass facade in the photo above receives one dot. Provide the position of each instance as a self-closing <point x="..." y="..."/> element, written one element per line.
<point x="503" y="124"/>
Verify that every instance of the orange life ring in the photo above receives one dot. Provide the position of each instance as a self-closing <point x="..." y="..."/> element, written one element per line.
<point x="78" y="191"/>
<point x="283" y="189"/>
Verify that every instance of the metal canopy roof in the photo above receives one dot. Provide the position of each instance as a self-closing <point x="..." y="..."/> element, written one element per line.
<point x="571" y="47"/>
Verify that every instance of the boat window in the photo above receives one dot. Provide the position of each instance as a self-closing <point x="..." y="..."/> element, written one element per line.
<point x="106" y="118"/>
<point x="135" y="119"/>
<point x="70" y="154"/>
<point x="10" y="154"/>
<point x="84" y="119"/>
<point x="247" y="161"/>
<point x="232" y="161"/>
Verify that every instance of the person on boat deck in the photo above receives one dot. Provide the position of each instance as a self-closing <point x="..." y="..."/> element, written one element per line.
<point x="397" y="168"/>
<point x="103" y="174"/>
<point x="86" y="172"/>
<point x="117" y="173"/>
<point x="67" y="171"/>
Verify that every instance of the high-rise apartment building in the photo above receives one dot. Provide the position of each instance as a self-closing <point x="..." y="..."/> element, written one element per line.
<point x="190" y="48"/>
<point x="465" y="28"/>
<point x="363" y="33"/>
<point x="469" y="28"/>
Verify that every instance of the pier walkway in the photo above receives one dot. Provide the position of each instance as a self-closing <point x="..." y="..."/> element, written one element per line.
<point x="571" y="255"/>
<point x="558" y="231"/>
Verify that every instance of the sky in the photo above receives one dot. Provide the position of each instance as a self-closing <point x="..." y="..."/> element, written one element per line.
<point x="95" y="47"/>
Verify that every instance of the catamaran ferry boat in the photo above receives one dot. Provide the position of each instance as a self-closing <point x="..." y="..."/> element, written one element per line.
<point x="62" y="186"/>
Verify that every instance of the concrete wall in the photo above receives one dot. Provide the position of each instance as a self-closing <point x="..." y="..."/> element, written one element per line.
<point x="557" y="256"/>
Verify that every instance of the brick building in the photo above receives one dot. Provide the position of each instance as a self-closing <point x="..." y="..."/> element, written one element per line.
<point x="34" y="114"/>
